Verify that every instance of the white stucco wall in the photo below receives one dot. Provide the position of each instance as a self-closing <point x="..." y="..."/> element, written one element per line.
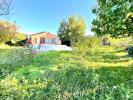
<point x="48" y="41"/>
<point x="58" y="41"/>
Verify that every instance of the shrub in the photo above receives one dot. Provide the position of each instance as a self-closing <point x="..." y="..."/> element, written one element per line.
<point x="4" y="46"/>
<point x="13" y="58"/>
<point x="19" y="40"/>
<point x="90" y="42"/>
<point x="106" y="40"/>
<point x="130" y="51"/>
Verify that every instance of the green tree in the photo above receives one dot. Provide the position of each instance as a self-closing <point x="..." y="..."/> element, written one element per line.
<point x="112" y="17"/>
<point x="20" y="36"/>
<point x="18" y="40"/>
<point x="72" y="30"/>
<point x="129" y="22"/>
<point x="63" y="31"/>
<point x="7" y="31"/>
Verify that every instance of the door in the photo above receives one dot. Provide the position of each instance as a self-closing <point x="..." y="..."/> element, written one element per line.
<point x="42" y="40"/>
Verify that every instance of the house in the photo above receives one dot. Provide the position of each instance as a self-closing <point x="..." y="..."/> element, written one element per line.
<point x="44" y="38"/>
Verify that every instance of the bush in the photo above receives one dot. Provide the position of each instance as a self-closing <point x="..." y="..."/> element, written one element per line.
<point x="130" y="51"/>
<point x="13" y="58"/>
<point x="87" y="43"/>
<point x="4" y="46"/>
<point x="106" y="40"/>
<point x="16" y="43"/>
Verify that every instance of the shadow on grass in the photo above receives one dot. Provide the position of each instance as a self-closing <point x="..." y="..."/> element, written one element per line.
<point x="116" y="75"/>
<point x="117" y="51"/>
<point x="114" y="58"/>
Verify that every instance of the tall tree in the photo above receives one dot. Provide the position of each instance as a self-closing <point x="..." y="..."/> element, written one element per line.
<point x="5" y="7"/>
<point x="112" y="17"/>
<point x="7" y="31"/>
<point x="63" y="31"/>
<point x="72" y="30"/>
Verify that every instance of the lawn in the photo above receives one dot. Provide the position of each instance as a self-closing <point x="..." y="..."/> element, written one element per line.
<point x="71" y="75"/>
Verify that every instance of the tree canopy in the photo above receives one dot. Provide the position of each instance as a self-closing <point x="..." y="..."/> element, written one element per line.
<point x="114" y="17"/>
<point x="72" y="29"/>
<point x="7" y="31"/>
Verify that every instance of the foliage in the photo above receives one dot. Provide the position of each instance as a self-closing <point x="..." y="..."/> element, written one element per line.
<point x="106" y="40"/>
<point x="19" y="40"/>
<point x="7" y="31"/>
<point x="72" y="30"/>
<point x="106" y="74"/>
<point x="113" y="17"/>
<point x="62" y="31"/>
<point x="4" y="46"/>
<point x="129" y="23"/>
<point x="12" y="58"/>
<point x="121" y="42"/>
<point x="87" y="43"/>
<point x="20" y="36"/>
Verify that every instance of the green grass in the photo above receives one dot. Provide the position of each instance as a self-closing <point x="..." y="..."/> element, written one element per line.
<point x="105" y="74"/>
<point x="13" y="58"/>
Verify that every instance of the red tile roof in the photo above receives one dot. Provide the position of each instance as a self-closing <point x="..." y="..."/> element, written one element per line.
<point x="49" y="35"/>
<point x="45" y="34"/>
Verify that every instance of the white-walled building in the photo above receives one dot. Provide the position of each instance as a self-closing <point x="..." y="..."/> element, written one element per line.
<point x="44" y="38"/>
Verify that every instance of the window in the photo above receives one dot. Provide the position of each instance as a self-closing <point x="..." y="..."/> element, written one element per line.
<point x="53" y="40"/>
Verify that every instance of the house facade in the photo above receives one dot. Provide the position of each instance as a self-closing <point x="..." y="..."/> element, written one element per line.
<point x="44" y="38"/>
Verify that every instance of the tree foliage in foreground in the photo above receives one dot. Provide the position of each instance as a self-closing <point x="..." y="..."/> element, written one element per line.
<point x="114" y="17"/>
<point x="7" y="31"/>
<point x="72" y="29"/>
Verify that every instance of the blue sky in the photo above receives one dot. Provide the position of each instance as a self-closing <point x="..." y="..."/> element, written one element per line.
<point x="45" y="15"/>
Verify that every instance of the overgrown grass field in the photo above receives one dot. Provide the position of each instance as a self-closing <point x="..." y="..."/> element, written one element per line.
<point x="106" y="73"/>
